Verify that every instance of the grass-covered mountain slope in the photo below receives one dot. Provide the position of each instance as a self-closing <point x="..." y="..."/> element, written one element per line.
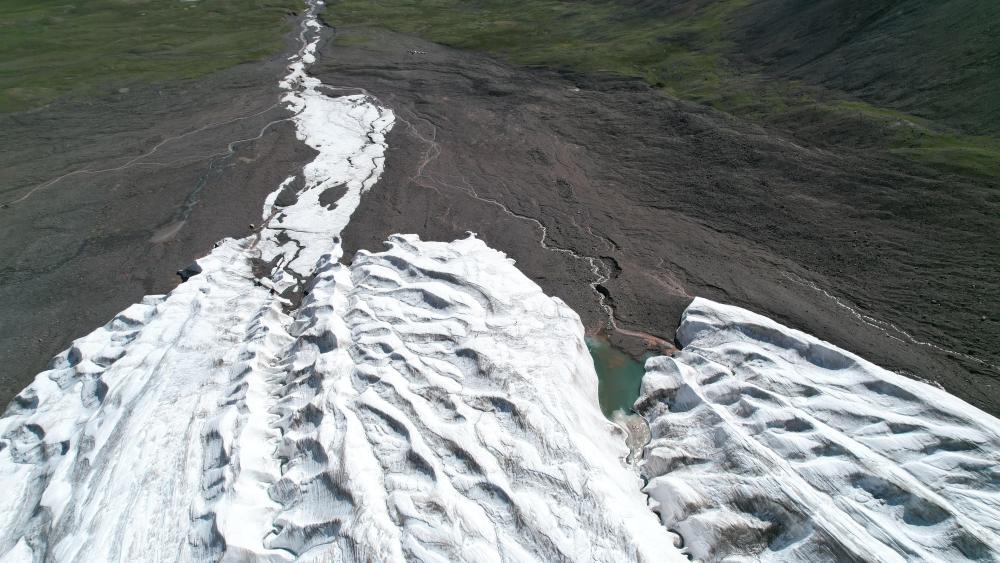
<point x="53" y="48"/>
<point x="915" y="80"/>
<point x="937" y="60"/>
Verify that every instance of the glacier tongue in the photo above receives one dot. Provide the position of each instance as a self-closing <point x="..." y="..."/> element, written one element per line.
<point x="772" y="444"/>
<point x="428" y="402"/>
<point x="438" y="406"/>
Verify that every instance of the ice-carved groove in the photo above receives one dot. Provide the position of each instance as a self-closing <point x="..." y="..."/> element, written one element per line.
<point x="865" y="464"/>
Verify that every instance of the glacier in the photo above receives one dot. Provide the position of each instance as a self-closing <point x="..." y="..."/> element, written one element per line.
<point x="770" y="444"/>
<point x="427" y="402"/>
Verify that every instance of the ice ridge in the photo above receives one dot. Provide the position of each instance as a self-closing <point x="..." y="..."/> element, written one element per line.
<point x="772" y="444"/>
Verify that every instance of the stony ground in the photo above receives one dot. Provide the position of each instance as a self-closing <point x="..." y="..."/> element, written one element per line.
<point x="676" y="200"/>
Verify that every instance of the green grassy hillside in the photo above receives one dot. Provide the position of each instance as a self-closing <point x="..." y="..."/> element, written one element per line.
<point x="710" y="51"/>
<point x="50" y="48"/>
<point x="938" y="60"/>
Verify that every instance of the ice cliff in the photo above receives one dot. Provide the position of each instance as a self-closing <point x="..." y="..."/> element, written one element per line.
<point x="771" y="444"/>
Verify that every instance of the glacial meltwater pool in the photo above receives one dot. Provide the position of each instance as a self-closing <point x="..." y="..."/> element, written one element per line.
<point x="619" y="376"/>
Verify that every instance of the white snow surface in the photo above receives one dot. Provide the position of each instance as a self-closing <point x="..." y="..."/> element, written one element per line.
<point x="427" y="402"/>
<point x="770" y="444"/>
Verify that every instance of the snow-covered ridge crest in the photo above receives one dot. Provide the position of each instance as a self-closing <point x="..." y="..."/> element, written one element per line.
<point x="770" y="443"/>
<point x="131" y="421"/>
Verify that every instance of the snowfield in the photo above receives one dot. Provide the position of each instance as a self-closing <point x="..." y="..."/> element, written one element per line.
<point x="769" y="443"/>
